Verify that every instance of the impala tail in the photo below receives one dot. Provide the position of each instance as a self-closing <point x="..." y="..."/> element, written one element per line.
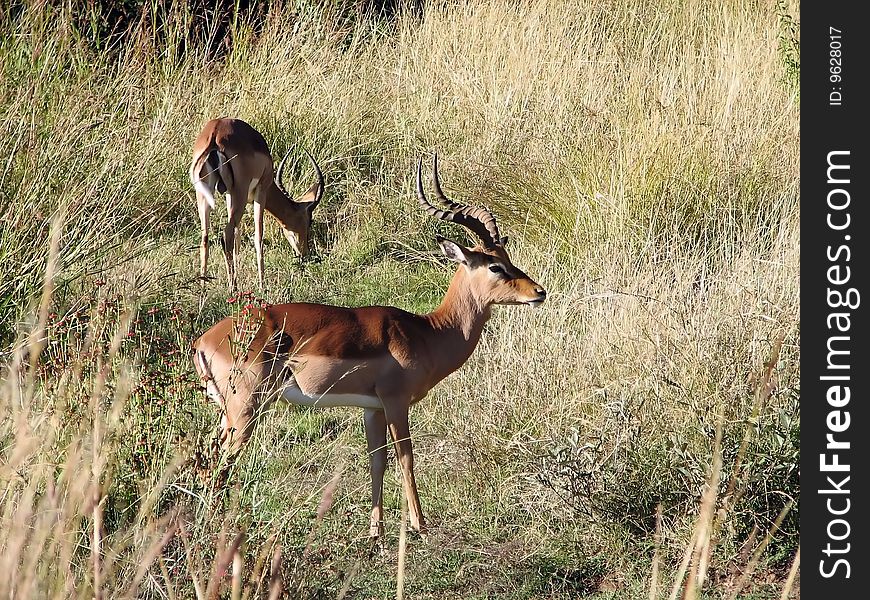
<point x="212" y="171"/>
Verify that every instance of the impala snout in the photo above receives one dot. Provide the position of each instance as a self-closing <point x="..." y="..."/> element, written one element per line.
<point x="540" y="296"/>
<point x="299" y="243"/>
<point x="536" y="295"/>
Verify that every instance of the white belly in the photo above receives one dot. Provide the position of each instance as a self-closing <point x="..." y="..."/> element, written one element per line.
<point x="296" y="396"/>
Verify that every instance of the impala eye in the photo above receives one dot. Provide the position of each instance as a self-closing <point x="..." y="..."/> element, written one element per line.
<point x="496" y="269"/>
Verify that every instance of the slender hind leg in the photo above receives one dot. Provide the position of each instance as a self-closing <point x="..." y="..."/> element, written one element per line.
<point x="230" y="243"/>
<point x="376" y="436"/>
<point x="204" y="213"/>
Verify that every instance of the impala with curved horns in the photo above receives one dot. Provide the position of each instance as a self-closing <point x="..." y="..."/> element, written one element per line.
<point x="233" y="158"/>
<point x="378" y="358"/>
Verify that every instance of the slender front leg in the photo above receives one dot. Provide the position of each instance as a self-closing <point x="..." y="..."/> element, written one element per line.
<point x="376" y="436"/>
<point x="397" y="420"/>
<point x="258" y="235"/>
<point x="230" y="244"/>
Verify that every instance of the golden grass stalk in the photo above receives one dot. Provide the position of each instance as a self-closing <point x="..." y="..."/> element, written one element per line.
<point x="167" y="579"/>
<point x="223" y="563"/>
<point x="270" y="551"/>
<point x="169" y="523"/>
<point x="348" y="579"/>
<point x="699" y="550"/>
<point x="792" y="575"/>
<point x="37" y="335"/>
<point x="192" y="559"/>
<point x="763" y="389"/>
<point x="276" y="586"/>
<point x="656" y="561"/>
<point x="756" y="556"/>
<point x="698" y="547"/>
<point x="326" y="500"/>
<point x="238" y="565"/>
<point x="403" y="550"/>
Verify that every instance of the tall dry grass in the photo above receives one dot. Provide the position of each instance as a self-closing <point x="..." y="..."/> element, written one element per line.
<point x="642" y="156"/>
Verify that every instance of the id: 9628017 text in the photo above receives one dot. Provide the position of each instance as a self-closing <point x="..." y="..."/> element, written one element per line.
<point x="835" y="66"/>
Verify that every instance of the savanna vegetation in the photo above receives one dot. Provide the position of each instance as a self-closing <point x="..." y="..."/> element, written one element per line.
<point x="635" y="437"/>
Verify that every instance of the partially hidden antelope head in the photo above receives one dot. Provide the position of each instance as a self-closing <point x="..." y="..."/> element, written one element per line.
<point x="231" y="157"/>
<point x="378" y="358"/>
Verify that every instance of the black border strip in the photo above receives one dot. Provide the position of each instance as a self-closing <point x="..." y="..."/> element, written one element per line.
<point x="834" y="301"/>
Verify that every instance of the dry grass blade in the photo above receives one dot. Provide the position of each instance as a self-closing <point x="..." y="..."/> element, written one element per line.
<point x="323" y="507"/>
<point x="326" y="501"/>
<point x="37" y="335"/>
<point x="403" y="549"/>
<point x="763" y="389"/>
<point x="167" y="579"/>
<point x="656" y="561"/>
<point x="266" y="554"/>
<point x="348" y="580"/>
<point x="97" y="514"/>
<point x="704" y="550"/>
<point x="276" y="585"/>
<point x="753" y="562"/>
<point x="222" y="563"/>
<point x="699" y="546"/>
<point x="238" y="565"/>
<point x="191" y="558"/>
<point x="154" y="552"/>
<point x="792" y="575"/>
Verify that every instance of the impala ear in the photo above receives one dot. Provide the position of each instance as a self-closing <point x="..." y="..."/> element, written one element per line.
<point x="452" y="250"/>
<point x="312" y="197"/>
<point x="503" y="241"/>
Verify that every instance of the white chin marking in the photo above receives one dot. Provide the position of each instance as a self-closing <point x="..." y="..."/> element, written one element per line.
<point x="535" y="303"/>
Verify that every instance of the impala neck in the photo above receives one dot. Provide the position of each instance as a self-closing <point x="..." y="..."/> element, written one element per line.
<point x="459" y="320"/>
<point x="278" y="205"/>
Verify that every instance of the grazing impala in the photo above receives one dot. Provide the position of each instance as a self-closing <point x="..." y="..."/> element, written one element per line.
<point x="232" y="157"/>
<point x="378" y="358"/>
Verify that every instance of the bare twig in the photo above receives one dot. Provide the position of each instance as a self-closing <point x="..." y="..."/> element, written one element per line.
<point x="656" y="563"/>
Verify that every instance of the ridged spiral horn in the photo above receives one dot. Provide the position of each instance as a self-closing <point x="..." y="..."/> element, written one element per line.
<point x="477" y="219"/>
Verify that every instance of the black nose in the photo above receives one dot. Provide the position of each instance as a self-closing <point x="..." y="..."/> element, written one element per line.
<point x="540" y="291"/>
